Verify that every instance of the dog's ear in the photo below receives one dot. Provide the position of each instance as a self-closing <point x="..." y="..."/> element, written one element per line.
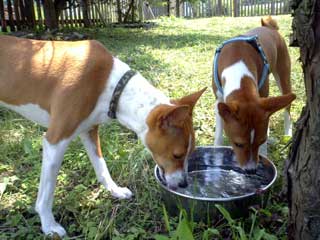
<point x="272" y="104"/>
<point x="189" y="100"/>
<point x="173" y="116"/>
<point x="227" y="111"/>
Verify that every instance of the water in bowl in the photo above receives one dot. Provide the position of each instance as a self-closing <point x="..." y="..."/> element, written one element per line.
<point x="223" y="183"/>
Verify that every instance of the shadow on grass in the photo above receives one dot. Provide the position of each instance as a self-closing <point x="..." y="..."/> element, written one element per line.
<point x="119" y="41"/>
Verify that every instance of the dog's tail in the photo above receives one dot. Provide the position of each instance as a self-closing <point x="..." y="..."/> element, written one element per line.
<point x="269" y="22"/>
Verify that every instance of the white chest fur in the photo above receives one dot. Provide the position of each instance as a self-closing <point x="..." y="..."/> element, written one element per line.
<point x="232" y="76"/>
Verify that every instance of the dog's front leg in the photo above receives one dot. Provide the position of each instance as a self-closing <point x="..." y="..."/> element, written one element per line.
<point x="218" y="135"/>
<point x="91" y="143"/>
<point x="51" y="162"/>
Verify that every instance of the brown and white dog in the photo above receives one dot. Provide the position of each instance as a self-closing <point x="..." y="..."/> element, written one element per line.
<point x="243" y="110"/>
<point x="67" y="87"/>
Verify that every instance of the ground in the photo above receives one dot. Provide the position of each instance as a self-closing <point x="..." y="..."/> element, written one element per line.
<point x="176" y="56"/>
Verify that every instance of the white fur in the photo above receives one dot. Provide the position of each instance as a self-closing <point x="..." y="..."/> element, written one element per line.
<point x="101" y="169"/>
<point x="287" y="124"/>
<point x="173" y="179"/>
<point x="187" y="155"/>
<point x="252" y="136"/>
<point x="142" y="97"/>
<point x="218" y="134"/>
<point x="30" y="111"/>
<point x="51" y="162"/>
<point x="287" y="118"/>
<point x="232" y="76"/>
<point x="251" y="165"/>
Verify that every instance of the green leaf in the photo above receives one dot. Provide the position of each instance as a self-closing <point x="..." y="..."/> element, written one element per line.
<point x="241" y="233"/>
<point x="27" y="146"/>
<point x="161" y="237"/>
<point x="209" y="232"/>
<point x="225" y="214"/>
<point x="258" y="233"/>
<point x="267" y="236"/>
<point x="166" y="218"/>
<point x="265" y="212"/>
<point x="92" y="232"/>
<point x="183" y="231"/>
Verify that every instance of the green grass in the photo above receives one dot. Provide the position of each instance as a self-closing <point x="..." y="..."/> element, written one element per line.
<point x="177" y="57"/>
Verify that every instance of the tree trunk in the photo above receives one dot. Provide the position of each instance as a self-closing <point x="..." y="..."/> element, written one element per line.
<point x="119" y="11"/>
<point x="130" y="11"/>
<point x="50" y="14"/>
<point x="219" y="7"/>
<point x="29" y="10"/>
<point x="177" y="8"/>
<point x="303" y="170"/>
<point x="59" y="5"/>
<point x="140" y="10"/>
<point x="85" y="13"/>
<point x="133" y="12"/>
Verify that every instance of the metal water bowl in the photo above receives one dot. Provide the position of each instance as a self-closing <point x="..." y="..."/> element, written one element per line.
<point x="215" y="177"/>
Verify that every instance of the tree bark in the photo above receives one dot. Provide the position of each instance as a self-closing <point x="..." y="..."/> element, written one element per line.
<point x="303" y="170"/>
<point x="85" y="13"/>
<point x="51" y="19"/>
<point x="177" y="8"/>
<point x="29" y="10"/>
<point x="59" y="5"/>
<point x="119" y="11"/>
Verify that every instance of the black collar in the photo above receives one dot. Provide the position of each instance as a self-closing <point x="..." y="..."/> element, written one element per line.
<point x="117" y="92"/>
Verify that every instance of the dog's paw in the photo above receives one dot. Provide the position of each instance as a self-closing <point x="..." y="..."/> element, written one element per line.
<point x="54" y="228"/>
<point x="121" y="192"/>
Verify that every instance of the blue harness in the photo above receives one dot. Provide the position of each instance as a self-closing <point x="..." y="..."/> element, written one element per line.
<point x="254" y="41"/>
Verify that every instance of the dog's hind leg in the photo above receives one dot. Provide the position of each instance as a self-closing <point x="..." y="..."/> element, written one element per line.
<point x="91" y="143"/>
<point x="281" y="74"/>
<point x="287" y="117"/>
<point x="51" y="162"/>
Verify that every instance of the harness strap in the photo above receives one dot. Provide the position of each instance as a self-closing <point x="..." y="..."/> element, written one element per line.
<point x="254" y="41"/>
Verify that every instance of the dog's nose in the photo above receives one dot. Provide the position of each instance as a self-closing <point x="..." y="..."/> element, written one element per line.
<point x="251" y="171"/>
<point x="183" y="184"/>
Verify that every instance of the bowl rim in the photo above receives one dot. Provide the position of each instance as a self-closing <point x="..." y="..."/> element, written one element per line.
<point x="219" y="199"/>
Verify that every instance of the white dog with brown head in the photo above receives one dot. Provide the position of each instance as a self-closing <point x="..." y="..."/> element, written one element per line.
<point x="73" y="87"/>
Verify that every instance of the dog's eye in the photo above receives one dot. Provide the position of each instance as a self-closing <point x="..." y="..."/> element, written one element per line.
<point x="178" y="156"/>
<point x="239" y="145"/>
<point x="263" y="141"/>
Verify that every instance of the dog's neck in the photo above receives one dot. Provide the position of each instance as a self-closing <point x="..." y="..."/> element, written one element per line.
<point x="137" y="100"/>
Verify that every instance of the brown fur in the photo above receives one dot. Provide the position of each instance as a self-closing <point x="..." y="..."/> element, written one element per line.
<point x="54" y="74"/>
<point x="269" y="22"/>
<point x="170" y="128"/>
<point x="94" y="136"/>
<point x="246" y="109"/>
